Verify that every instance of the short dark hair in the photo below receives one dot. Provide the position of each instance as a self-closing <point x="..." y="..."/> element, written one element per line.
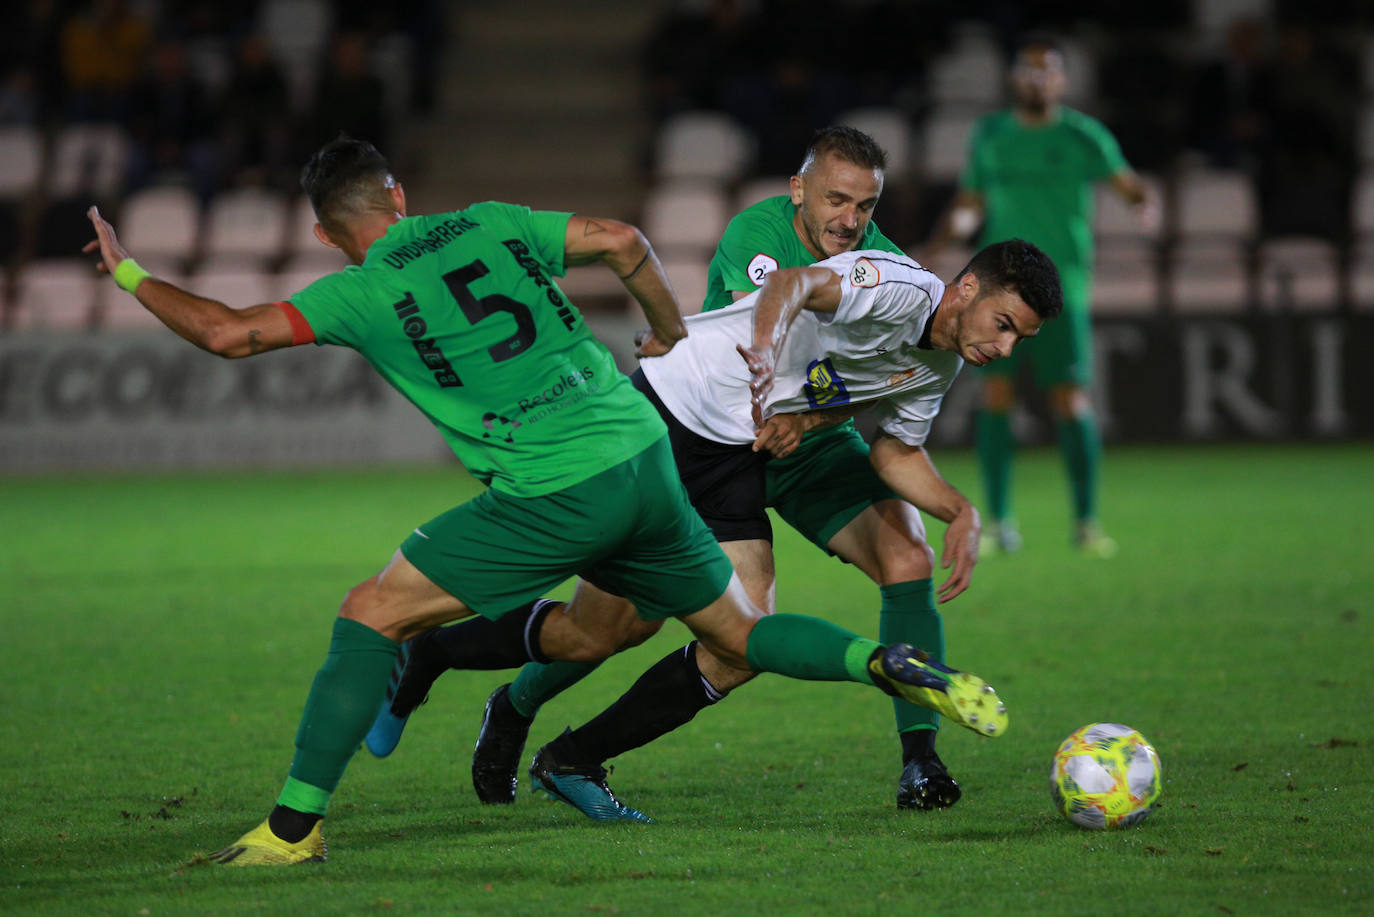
<point x="346" y="177"/>
<point x="1017" y="266"/>
<point x="848" y="143"/>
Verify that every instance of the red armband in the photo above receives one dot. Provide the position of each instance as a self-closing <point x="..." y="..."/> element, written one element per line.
<point x="301" y="332"/>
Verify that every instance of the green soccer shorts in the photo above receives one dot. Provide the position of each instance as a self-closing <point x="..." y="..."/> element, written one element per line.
<point x="628" y="530"/>
<point x="825" y="484"/>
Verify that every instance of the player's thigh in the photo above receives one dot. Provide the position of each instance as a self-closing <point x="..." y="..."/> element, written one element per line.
<point x="598" y="622"/>
<point x="825" y="485"/>
<point x="401" y="601"/>
<point x="887" y="541"/>
<point x="753" y="563"/>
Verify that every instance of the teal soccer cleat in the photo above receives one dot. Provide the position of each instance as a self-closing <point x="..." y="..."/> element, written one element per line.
<point x="583" y="788"/>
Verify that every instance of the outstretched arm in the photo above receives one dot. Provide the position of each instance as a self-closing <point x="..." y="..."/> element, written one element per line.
<point x="909" y="471"/>
<point x="624" y="250"/>
<point x="207" y="323"/>
<point x="784" y="295"/>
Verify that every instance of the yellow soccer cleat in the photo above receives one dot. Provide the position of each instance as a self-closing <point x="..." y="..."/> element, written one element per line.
<point x="909" y="673"/>
<point x="260" y="847"/>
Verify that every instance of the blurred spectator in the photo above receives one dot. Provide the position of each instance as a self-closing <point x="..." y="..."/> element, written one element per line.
<point x="1226" y="118"/>
<point x="103" y="51"/>
<point x="171" y="125"/>
<point x="349" y="97"/>
<point x="1308" y="172"/>
<point x="255" y="124"/>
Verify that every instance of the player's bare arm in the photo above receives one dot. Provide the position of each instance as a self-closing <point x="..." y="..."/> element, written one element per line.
<point x="209" y="324"/>
<point x="782" y="298"/>
<point x="624" y="250"/>
<point x="1133" y="190"/>
<point x="957" y="224"/>
<point x="909" y="471"/>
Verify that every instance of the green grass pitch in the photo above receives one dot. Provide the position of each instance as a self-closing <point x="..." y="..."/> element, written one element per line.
<point x="160" y="633"/>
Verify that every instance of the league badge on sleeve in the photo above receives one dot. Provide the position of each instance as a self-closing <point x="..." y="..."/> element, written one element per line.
<point x="863" y="274"/>
<point x="760" y="267"/>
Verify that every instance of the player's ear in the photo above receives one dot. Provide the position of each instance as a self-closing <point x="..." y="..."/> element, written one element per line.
<point x="324" y="237"/>
<point x="398" y="198"/>
<point x="969" y="286"/>
<point x="796" y="185"/>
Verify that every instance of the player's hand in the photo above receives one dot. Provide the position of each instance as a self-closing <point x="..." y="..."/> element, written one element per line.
<point x="780" y="435"/>
<point x="111" y="252"/>
<point x="761" y="379"/>
<point x="647" y="344"/>
<point x="961" y="552"/>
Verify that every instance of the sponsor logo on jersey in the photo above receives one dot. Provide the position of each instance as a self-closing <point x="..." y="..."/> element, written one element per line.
<point x="863" y="274"/>
<point x="824" y="388"/>
<point x="760" y="267"/>
<point x="898" y="378"/>
<point x="429" y="352"/>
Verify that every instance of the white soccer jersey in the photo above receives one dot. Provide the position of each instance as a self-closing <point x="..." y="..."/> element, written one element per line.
<point x="865" y="352"/>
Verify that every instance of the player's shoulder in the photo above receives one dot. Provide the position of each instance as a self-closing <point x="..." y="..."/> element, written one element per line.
<point x="994" y="122"/>
<point x="871" y="267"/>
<point x="769" y="216"/>
<point x="1083" y="123"/>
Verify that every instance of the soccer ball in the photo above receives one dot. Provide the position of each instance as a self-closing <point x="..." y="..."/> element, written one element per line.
<point x="1105" y="775"/>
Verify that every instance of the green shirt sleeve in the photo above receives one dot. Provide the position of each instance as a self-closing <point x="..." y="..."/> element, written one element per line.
<point x="750" y="249"/>
<point x="1106" y="158"/>
<point x="336" y="306"/>
<point x="974" y="177"/>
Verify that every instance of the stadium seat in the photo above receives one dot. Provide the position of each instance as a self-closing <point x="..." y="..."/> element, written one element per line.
<point x="236" y="287"/>
<point x="688" y="276"/>
<point x="1299" y="273"/>
<point x="1216" y="205"/>
<point x="21" y="160"/>
<point x="1362" y="276"/>
<point x="297" y="32"/>
<point x="300" y="229"/>
<point x="944" y="141"/>
<point x="685" y="217"/>
<point x="1126" y="287"/>
<point x="55" y="294"/>
<point x="754" y="190"/>
<point x="245" y="226"/>
<point x="1120" y="235"/>
<point x="89" y="159"/>
<point x="971" y="71"/>
<point x="1362" y="210"/>
<point x="702" y="145"/>
<point x="162" y="221"/>
<point x="1209" y="280"/>
<point x="890" y="128"/>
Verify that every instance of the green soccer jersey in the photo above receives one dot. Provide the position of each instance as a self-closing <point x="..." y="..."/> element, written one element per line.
<point x="1037" y="181"/>
<point x="759" y="240"/>
<point x="458" y="312"/>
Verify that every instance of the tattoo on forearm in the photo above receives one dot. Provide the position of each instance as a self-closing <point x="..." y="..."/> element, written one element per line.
<point x="639" y="266"/>
<point x="592" y="228"/>
<point x="254" y="345"/>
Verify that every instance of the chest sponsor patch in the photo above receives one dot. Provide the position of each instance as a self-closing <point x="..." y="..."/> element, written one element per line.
<point x="863" y="274"/>
<point x="760" y="267"/>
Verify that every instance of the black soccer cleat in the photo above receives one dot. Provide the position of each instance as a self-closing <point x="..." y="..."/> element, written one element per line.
<point x="926" y="784"/>
<point x="500" y="743"/>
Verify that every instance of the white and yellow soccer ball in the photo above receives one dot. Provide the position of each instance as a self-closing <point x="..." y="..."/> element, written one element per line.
<point x="1105" y="775"/>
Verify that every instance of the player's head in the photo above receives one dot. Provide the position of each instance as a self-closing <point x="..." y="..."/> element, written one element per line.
<point x="346" y="180"/>
<point x="1004" y="295"/>
<point x="1038" y="80"/>
<point x="836" y="189"/>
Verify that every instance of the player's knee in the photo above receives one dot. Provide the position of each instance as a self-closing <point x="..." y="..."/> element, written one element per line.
<point x="1069" y="401"/>
<point x="905" y="557"/>
<point x="361" y="601"/>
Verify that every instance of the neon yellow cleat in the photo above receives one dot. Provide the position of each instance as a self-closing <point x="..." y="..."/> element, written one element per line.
<point x="1093" y="542"/>
<point x="909" y="673"/>
<point x="260" y="847"/>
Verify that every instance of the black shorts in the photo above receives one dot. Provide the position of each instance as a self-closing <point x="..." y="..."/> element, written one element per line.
<point x="725" y="482"/>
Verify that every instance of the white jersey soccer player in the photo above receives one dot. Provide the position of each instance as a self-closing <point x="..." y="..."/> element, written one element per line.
<point x="874" y="348"/>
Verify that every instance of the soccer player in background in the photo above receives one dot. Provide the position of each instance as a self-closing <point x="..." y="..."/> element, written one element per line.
<point x="827" y="489"/>
<point x="1030" y="174"/>
<point x="459" y="313"/>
